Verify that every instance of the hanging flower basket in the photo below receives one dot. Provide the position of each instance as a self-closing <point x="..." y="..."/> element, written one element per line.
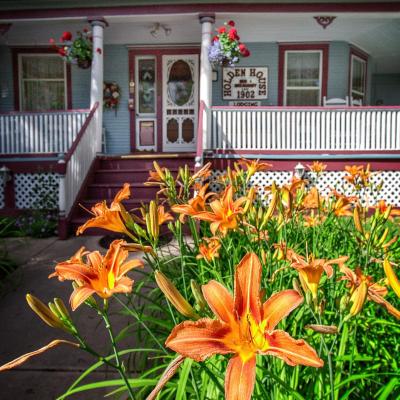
<point x="77" y="51"/>
<point x="226" y="48"/>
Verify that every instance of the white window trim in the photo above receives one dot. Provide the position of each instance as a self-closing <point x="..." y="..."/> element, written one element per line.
<point x="21" y="79"/>
<point x="286" y="87"/>
<point x="365" y="63"/>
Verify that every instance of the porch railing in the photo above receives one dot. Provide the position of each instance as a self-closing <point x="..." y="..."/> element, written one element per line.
<point x="294" y="129"/>
<point x="36" y="133"/>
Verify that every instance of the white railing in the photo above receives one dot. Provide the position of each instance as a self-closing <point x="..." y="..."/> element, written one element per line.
<point x="78" y="161"/>
<point x="319" y="129"/>
<point x="34" y="132"/>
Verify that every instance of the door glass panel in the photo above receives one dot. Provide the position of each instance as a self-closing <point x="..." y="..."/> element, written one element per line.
<point x="358" y="78"/>
<point x="180" y="83"/>
<point x="302" y="97"/>
<point x="147" y="98"/>
<point x="172" y="130"/>
<point x="188" y="130"/>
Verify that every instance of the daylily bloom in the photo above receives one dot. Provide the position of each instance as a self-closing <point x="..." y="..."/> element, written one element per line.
<point x="103" y="275"/>
<point x="210" y="249"/>
<point x="113" y="218"/>
<point x="354" y="173"/>
<point x="224" y="212"/>
<point x="313" y="219"/>
<point x="383" y="208"/>
<point x="362" y="288"/>
<point x="203" y="173"/>
<point x="243" y="327"/>
<point x="310" y="269"/>
<point x="312" y="200"/>
<point x="317" y="167"/>
<point x="253" y="166"/>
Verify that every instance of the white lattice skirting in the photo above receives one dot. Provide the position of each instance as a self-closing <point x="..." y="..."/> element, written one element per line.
<point x="29" y="188"/>
<point x="329" y="180"/>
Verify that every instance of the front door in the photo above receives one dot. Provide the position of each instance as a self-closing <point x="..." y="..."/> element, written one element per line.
<point x="163" y="99"/>
<point x="180" y="102"/>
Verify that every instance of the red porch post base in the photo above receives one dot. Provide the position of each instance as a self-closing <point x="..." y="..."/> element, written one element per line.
<point x="62" y="228"/>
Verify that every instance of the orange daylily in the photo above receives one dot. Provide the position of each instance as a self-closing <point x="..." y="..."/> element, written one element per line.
<point x="112" y="218"/>
<point x="312" y="200"/>
<point x="382" y="207"/>
<point x="224" y="212"/>
<point x="253" y="166"/>
<point x="313" y="219"/>
<point x="103" y="275"/>
<point x="243" y="327"/>
<point x="210" y="249"/>
<point x="203" y="173"/>
<point x="317" y="167"/>
<point x="310" y="269"/>
<point x="362" y="288"/>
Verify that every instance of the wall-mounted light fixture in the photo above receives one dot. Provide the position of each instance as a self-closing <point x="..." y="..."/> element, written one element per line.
<point x="299" y="170"/>
<point x="157" y="27"/>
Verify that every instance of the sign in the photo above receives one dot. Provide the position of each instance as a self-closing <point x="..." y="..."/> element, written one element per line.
<point x="245" y="103"/>
<point x="146" y="133"/>
<point x="245" y="83"/>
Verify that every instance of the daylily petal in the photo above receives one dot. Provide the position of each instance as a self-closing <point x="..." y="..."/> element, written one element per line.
<point x="79" y="295"/>
<point x="247" y="287"/>
<point x="292" y="351"/>
<point x="380" y="300"/>
<point x="124" y="268"/>
<point x="219" y="300"/>
<point x="199" y="340"/>
<point x="124" y="285"/>
<point x="240" y="378"/>
<point x="280" y="305"/>
<point x="123" y="194"/>
<point x="74" y="272"/>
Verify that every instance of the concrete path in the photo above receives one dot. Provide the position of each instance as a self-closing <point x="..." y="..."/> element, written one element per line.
<point x="46" y="376"/>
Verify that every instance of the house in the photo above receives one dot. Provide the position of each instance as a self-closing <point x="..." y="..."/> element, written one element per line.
<point x="322" y="82"/>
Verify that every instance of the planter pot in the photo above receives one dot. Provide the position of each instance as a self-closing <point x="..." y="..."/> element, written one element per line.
<point x="84" y="64"/>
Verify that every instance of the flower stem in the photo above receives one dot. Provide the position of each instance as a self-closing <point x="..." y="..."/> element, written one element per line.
<point x="119" y="365"/>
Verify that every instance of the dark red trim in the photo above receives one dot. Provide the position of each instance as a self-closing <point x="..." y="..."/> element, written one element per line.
<point x="294" y="108"/>
<point x="306" y="152"/>
<point x="32" y="166"/>
<point x="36" y="50"/>
<point x="44" y="111"/>
<point x="230" y="8"/>
<point x="283" y="47"/>
<point x="158" y="53"/>
<point x="81" y="133"/>
<point x="9" y="193"/>
<point x="364" y="56"/>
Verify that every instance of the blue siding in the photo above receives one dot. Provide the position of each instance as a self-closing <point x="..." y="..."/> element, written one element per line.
<point x="6" y="80"/>
<point x="338" y="70"/>
<point x="386" y="89"/>
<point x="80" y="85"/>
<point x="116" y="69"/>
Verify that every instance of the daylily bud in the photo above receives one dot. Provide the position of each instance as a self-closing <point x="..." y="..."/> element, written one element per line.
<point x="198" y="295"/>
<point x="296" y="286"/>
<point x="358" y="298"/>
<point x="390" y="242"/>
<point x="271" y="207"/>
<point x="391" y="276"/>
<point x="44" y="312"/>
<point x="61" y="308"/>
<point x="357" y="220"/>
<point x="173" y="295"/>
<point x="387" y="212"/>
<point x="344" y="301"/>
<point x="325" y="329"/>
<point x="249" y="199"/>
<point x="383" y="237"/>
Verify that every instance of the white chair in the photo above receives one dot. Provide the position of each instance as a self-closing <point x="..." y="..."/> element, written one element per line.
<point x="356" y="102"/>
<point x="335" y="102"/>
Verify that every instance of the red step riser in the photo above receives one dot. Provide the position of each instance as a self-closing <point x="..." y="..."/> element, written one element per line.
<point x="121" y="177"/>
<point x="145" y="164"/>
<point x="108" y="193"/>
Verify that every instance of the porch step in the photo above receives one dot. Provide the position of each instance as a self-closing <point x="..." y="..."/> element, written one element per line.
<point x="112" y="172"/>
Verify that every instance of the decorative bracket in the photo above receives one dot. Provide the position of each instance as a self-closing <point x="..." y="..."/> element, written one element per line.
<point x="324" y="21"/>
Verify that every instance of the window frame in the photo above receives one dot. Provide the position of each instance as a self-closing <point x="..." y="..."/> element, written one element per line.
<point x="17" y="68"/>
<point x="323" y="48"/>
<point x="356" y="54"/>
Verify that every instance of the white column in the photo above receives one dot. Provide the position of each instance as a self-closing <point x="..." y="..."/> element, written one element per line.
<point x="97" y="74"/>
<point x="207" y="24"/>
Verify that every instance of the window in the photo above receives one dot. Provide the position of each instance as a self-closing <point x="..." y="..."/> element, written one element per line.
<point x="42" y="82"/>
<point x="303" y="78"/>
<point x="358" y="74"/>
<point x="302" y="74"/>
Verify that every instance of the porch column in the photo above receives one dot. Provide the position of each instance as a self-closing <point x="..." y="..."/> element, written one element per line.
<point x="97" y="74"/>
<point x="207" y="24"/>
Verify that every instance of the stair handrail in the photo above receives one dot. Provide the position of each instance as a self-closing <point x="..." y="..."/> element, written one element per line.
<point x="75" y="167"/>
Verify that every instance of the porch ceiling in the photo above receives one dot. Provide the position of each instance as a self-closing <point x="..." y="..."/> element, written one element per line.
<point x="375" y="33"/>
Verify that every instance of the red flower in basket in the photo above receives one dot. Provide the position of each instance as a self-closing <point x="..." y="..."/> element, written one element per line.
<point x="61" y="52"/>
<point x="231" y="23"/>
<point x="222" y="29"/>
<point x="244" y="51"/>
<point x="233" y="34"/>
<point x="66" y="36"/>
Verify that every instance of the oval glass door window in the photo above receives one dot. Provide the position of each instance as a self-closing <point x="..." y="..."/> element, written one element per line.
<point x="172" y="130"/>
<point x="188" y="130"/>
<point x="180" y="83"/>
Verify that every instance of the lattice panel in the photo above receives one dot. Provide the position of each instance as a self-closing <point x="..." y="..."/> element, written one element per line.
<point x="36" y="190"/>
<point x="329" y="180"/>
<point x="2" y="195"/>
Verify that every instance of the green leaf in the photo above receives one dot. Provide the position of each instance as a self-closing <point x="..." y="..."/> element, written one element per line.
<point x="183" y="377"/>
